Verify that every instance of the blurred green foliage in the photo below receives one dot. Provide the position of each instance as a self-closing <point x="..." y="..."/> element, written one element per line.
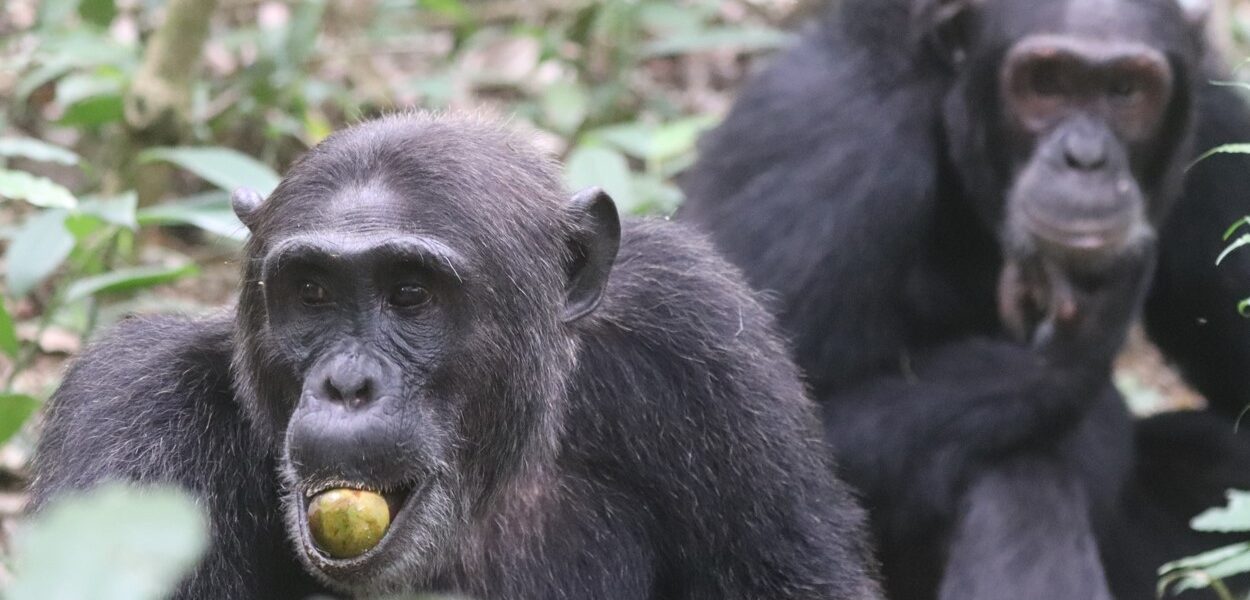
<point x="1209" y="569"/>
<point x="1235" y="242"/>
<point x="114" y="543"/>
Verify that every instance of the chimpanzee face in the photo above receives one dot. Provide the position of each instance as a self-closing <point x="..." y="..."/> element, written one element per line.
<point x="405" y="337"/>
<point x="1086" y="106"/>
<point x="373" y="320"/>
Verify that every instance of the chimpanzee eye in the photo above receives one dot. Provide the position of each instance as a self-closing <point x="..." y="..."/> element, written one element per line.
<point x="1048" y="79"/>
<point x="1123" y="88"/>
<point x="409" y="296"/>
<point x="312" y="294"/>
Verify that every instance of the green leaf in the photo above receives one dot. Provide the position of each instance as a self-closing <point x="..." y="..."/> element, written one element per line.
<point x="678" y="137"/>
<point x="1206" y="559"/>
<point x="82" y="226"/>
<point x="452" y="9"/>
<point x="668" y="19"/>
<point x="93" y="111"/>
<point x="39" y="76"/>
<point x="115" y="543"/>
<point x="565" y="106"/>
<point x="301" y="33"/>
<point x="654" y="143"/>
<point x="36" y="150"/>
<point x="1239" y="242"/>
<point x="633" y="139"/>
<point x="1228" y="233"/>
<point x="71" y="50"/>
<point x="78" y="87"/>
<point x="91" y="99"/>
<point x="98" y="12"/>
<point x="604" y="167"/>
<point x="124" y="280"/>
<point x="655" y="196"/>
<point x="37" y="249"/>
<point x="118" y="210"/>
<point x="1197" y="572"/>
<point x="39" y="191"/>
<point x="1243" y="308"/>
<point x="1235" y="84"/>
<point x="742" y="39"/>
<point x="1225" y="149"/>
<point x="225" y="168"/>
<point x="8" y="333"/>
<point x="1233" y="517"/>
<point x="209" y="211"/>
<point x="15" y="409"/>
<point x="55" y="12"/>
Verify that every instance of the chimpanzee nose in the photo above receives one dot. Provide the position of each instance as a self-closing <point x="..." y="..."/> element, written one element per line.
<point x="1085" y="151"/>
<point x="350" y="387"/>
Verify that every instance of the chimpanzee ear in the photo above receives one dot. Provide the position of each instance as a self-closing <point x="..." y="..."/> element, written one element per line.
<point x="245" y="202"/>
<point x="946" y="26"/>
<point x="595" y="237"/>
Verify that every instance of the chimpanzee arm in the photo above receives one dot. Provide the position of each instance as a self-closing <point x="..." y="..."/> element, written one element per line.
<point x="962" y="404"/>
<point x="911" y="442"/>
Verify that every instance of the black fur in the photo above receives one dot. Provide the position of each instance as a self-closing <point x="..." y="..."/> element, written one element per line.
<point x="660" y="446"/>
<point x="989" y="468"/>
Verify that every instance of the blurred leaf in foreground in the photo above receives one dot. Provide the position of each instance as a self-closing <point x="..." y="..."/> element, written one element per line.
<point x="39" y="191"/>
<point x="595" y="165"/>
<point x="37" y="249"/>
<point x="1209" y="568"/>
<point x="209" y="211"/>
<point x="14" y="410"/>
<point x="8" y="333"/>
<point x="115" y="543"/>
<point x="1234" y="517"/>
<point x="36" y="150"/>
<point x="125" y="280"/>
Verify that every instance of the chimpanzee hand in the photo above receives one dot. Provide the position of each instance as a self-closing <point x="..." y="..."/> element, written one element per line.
<point x="1071" y="314"/>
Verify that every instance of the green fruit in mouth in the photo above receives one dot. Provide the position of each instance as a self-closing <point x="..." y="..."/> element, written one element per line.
<point x="346" y="523"/>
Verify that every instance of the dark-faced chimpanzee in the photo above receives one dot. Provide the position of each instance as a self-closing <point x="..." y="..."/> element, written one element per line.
<point x="960" y="207"/>
<point x="553" y="404"/>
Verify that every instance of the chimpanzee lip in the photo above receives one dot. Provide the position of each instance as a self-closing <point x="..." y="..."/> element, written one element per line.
<point x="1080" y="234"/>
<point x="400" y="498"/>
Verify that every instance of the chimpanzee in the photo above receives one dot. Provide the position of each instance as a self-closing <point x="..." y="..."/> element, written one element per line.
<point x="549" y="403"/>
<point x="960" y="206"/>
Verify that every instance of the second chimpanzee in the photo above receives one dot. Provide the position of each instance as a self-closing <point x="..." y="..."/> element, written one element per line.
<point x="535" y="399"/>
<point x="961" y="206"/>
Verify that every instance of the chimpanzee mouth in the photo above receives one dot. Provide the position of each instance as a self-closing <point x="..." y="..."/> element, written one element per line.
<point x="400" y="500"/>
<point x="1088" y="235"/>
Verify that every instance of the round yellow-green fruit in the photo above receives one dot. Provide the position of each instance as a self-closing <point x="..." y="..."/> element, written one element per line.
<point x="346" y="523"/>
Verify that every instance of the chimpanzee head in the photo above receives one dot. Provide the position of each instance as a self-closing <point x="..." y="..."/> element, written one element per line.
<point x="1069" y="121"/>
<point x="406" y="325"/>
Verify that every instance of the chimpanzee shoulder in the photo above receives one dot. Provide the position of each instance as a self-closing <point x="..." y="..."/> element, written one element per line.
<point x="682" y="387"/>
<point x="151" y="401"/>
<point x="99" y="410"/>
